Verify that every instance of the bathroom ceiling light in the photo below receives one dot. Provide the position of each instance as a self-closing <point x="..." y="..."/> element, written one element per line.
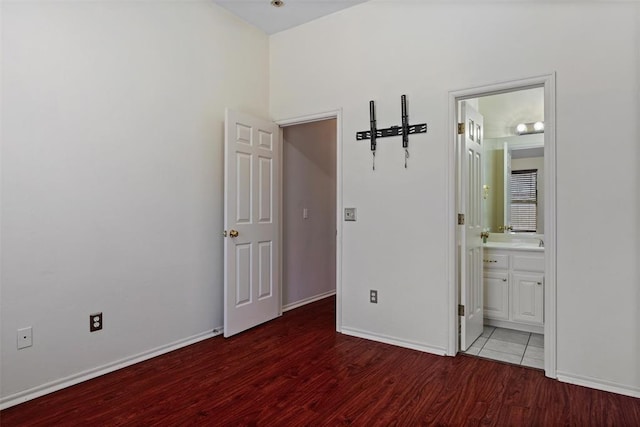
<point x="529" y="128"/>
<point x="277" y="3"/>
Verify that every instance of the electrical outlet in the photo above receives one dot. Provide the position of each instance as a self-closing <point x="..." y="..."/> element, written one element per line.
<point x="350" y="214"/>
<point x="373" y="296"/>
<point x="95" y="322"/>
<point x="25" y="337"/>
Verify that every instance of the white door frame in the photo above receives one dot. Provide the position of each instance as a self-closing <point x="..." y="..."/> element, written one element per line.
<point x="548" y="82"/>
<point x="334" y="114"/>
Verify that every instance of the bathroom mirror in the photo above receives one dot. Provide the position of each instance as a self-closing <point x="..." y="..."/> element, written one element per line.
<point x="522" y="158"/>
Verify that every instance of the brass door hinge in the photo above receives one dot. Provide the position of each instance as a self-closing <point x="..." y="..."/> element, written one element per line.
<point x="460" y="128"/>
<point x="460" y="310"/>
<point x="460" y="219"/>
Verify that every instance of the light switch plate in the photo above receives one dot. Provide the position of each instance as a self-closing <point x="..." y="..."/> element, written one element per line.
<point x="349" y="214"/>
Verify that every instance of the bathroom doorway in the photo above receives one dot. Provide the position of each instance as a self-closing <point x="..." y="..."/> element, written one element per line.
<point x="504" y="201"/>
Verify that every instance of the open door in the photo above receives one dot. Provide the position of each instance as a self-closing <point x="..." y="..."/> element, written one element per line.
<point x="471" y="163"/>
<point x="251" y="212"/>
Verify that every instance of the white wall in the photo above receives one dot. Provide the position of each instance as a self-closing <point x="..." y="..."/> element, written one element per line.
<point x="112" y="176"/>
<point x="309" y="178"/>
<point x="380" y="50"/>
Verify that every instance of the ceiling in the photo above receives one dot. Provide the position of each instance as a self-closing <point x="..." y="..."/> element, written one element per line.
<point x="270" y="19"/>
<point x="504" y="111"/>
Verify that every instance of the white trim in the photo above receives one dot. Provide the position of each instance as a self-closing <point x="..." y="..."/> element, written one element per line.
<point x="333" y="114"/>
<point x="452" y="235"/>
<point x="546" y="81"/>
<point x="280" y="223"/>
<point x="550" y="239"/>
<point x="440" y="351"/>
<point x="339" y="223"/>
<point x="309" y="118"/>
<point x="307" y="301"/>
<point x="50" y="387"/>
<point x="598" y="384"/>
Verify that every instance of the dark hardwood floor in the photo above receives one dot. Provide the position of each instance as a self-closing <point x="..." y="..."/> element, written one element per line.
<point x="297" y="370"/>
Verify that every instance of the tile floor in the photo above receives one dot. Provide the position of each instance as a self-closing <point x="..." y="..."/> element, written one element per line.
<point x="508" y="345"/>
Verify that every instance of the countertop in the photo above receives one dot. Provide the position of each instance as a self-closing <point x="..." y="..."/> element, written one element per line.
<point x="516" y="246"/>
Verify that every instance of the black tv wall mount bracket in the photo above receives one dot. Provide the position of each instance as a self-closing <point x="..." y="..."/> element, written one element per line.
<point x="405" y="130"/>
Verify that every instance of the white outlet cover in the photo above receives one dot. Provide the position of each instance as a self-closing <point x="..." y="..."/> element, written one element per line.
<point x="350" y="214"/>
<point x="25" y="337"/>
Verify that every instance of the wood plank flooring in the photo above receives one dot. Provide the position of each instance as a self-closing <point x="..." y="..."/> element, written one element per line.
<point x="297" y="370"/>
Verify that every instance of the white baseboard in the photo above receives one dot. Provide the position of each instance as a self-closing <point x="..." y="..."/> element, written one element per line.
<point x="440" y="351"/>
<point x="307" y="301"/>
<point x="598" y="384"/>
<point x="50" y="387"/>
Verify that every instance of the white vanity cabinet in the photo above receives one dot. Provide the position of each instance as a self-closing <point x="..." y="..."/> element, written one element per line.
<point x="528" y="297"/>
<point x="496" y="295"/>
<point x="514" y="288"/>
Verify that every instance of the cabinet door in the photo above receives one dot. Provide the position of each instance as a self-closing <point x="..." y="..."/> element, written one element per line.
<point x="496" y="295"/>
<point x="528" y="298"/>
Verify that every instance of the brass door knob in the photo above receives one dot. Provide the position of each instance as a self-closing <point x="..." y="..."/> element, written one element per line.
<point x="234" y="233"/>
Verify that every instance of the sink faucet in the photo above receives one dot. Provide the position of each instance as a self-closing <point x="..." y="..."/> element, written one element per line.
<point x="541" y="245"/>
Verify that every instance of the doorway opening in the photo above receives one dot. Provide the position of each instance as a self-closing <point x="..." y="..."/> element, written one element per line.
<point x="503" y="239"/>
<point x="310" y="200"/>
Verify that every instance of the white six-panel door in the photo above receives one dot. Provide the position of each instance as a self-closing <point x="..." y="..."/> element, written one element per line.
<point x="252" y="201"/>
<point x="471" y="266"/>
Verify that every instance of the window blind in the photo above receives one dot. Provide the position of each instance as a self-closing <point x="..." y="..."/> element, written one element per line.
<point x="524" y="200"/>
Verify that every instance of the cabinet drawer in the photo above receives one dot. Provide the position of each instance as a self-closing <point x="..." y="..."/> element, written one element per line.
<point x="532" y="262"/>
<point x="500" y="261"/>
